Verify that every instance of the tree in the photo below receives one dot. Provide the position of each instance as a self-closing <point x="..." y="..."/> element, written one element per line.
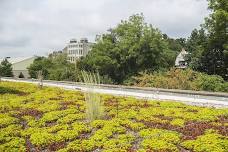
<point x="57" y="68"/>
<point x="175" y="45"/>
<point x="195" y="45"/>
<point x="63" y="70"/>
<point x="131" y="47"/>
<point x="6" y="68"/>
<point x="214" y="58"/>
<point x="40" y="64"/>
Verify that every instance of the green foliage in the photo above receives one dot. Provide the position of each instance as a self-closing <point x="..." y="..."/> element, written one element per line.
<point x="181" y="79"/>
<point x="195" y="46"/>
<point x="211" y="50"/>
<point x="40" y="64"/>
<point x="131" y="47"/>
<point x="210" y="83"/>
<point x="6" y="68"/>
<point x="57" y="68"/>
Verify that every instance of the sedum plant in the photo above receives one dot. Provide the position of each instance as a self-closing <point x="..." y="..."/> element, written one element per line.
<point x="211" y="141"/>
<point x="94" y="106"/>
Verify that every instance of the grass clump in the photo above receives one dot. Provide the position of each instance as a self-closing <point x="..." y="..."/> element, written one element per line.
<point x="94" y="106"/>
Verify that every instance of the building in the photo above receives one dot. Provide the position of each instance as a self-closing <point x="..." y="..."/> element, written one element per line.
<point x="181" y="60"/>
<point x="20" y="65"/>
<point x="65" y="50"/>
<point x="54" y="54"/>
<point x="76" y="49"/>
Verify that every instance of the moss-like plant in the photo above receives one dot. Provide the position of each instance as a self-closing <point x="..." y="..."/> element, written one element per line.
<point x="6" y="120"/>
<point x="41" y="139"/>
<point x="159" y="139"/>
<point x="52" y="119"/>
<point x="16" y="144"/>
<point x="177" y="122"/>
<point x="209" y="142"/>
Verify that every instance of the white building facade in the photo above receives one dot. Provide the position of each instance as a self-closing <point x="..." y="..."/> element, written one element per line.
<point x="76" y="49"/>
<point x="181" y="60"/>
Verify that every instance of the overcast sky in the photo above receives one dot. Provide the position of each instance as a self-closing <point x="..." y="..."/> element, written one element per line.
<point x="36" y="27"/>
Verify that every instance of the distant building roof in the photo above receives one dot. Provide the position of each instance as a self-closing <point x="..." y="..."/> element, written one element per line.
<point x="17" y="59"/>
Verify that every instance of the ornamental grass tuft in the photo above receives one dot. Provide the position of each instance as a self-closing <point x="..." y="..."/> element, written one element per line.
<point x="94" y="106"/>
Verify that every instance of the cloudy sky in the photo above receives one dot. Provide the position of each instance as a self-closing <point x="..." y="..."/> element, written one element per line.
<point x="36" y="27"/>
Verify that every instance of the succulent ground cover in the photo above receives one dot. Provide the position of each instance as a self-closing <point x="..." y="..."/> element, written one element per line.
<point x="51" y="119"/>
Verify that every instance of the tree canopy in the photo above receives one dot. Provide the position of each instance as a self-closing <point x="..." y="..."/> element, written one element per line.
<point x="129" y="48"/>
<point x="214" y="59"/>
<point x="54" y="68"/>
<point x="134" y="46"/>
<point x="6" y="68"/>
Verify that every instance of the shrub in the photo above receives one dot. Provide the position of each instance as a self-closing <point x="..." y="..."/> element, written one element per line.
<point x="209" y="83"/>
<point x="185" y="79"/>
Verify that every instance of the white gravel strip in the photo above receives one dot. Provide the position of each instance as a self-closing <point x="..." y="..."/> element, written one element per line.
<point x="193" y="99"/>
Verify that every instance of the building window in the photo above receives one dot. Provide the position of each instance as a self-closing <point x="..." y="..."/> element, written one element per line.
<point x="182" y="63"/>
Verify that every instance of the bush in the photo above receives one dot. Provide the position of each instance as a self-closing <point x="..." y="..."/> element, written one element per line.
<point x="209" y="83"/>
<point x="185" y="79"/>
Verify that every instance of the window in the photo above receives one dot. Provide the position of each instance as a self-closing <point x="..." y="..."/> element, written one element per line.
<point x="182" y="63"/>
